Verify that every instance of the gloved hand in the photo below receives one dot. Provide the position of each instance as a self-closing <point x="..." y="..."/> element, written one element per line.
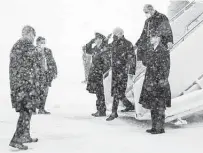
<point x="170" y="45"/>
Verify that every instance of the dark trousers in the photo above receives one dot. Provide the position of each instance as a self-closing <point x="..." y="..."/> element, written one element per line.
<point x="158" y="118"/>
<point x="23" y="127"/>
<point x="43" y="97"/>
<point x="100" y="103"/>
<point x="125" y="101"/>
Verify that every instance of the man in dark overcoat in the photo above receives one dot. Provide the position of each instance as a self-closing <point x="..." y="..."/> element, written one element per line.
<point x="22" y="85"/>
<point x="101" y="60"/>
<point x="46" y="73"/>
<point x="123" y="63"/>
<point x="155" y="22"/>
<point x="156" y="93"/>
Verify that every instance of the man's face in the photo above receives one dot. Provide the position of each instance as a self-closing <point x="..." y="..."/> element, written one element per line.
<point x="42" y="44"/>
<point x="147" y="12"/>
<point x="98" y="41"/>
<point x="117" y="36"/>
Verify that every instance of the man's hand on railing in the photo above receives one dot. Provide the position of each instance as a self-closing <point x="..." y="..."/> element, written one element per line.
<point x="170" y="45"/>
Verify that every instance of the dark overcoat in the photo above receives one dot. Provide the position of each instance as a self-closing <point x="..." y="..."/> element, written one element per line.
<point x="51" y="64"/>
<point x="22" y="75"/>
<point x="101" y="61"/>
<point x="156" y="93"/>
<point x="44" y="77"/>
<point x="123" y="63"/>
<point x="159" y="24"/>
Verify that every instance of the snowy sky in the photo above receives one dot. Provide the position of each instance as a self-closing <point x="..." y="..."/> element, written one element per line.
<point x="68" y="25"/>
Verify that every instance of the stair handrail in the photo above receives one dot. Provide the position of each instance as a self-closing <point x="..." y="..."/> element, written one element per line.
<point x="174" y="46"/>
<point x="194" y="20"/>
<point x="182" y="11"/>
<point x="183" y="37"/>
<point x="195" y="82"/>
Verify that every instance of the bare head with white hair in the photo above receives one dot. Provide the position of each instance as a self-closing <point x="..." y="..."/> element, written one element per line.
<point x="29" y="33"/>
<point x="148" y="10"/>
<point x="118" y="33"/>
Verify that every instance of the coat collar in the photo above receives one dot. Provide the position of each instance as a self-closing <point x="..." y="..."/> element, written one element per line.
<point x="121" y="40"/>
<point x="156" y="13"/>
<point x="26" y="40"/>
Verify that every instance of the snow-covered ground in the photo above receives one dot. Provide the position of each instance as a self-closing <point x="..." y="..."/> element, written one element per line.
<point x="71" y="129"/>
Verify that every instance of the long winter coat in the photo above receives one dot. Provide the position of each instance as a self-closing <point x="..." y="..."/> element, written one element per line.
<point x="156" y="93"/>
<point x="123" y="63"/>
<point x="159" y="24"/>
<point x="22" y="75"/>
<point x="51" y="64"/>
<point x="101" y="61"/>
<point x="46" y="76"/>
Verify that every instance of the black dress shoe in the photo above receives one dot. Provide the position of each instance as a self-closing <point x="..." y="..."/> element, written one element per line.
<point x="127" y="109"/>
<point x="112" y="117"/>
<point x="42" y="111"/>
<point x="151" y="130"/>
<point x="161" y="131"/>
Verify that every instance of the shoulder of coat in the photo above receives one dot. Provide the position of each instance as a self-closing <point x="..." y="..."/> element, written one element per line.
<point x="147" y="20"/>
<point x="47" y="50"/>
<point x="128" y="43"/>
<point x="162" y="16"/>
<point x="18" y="44"/>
